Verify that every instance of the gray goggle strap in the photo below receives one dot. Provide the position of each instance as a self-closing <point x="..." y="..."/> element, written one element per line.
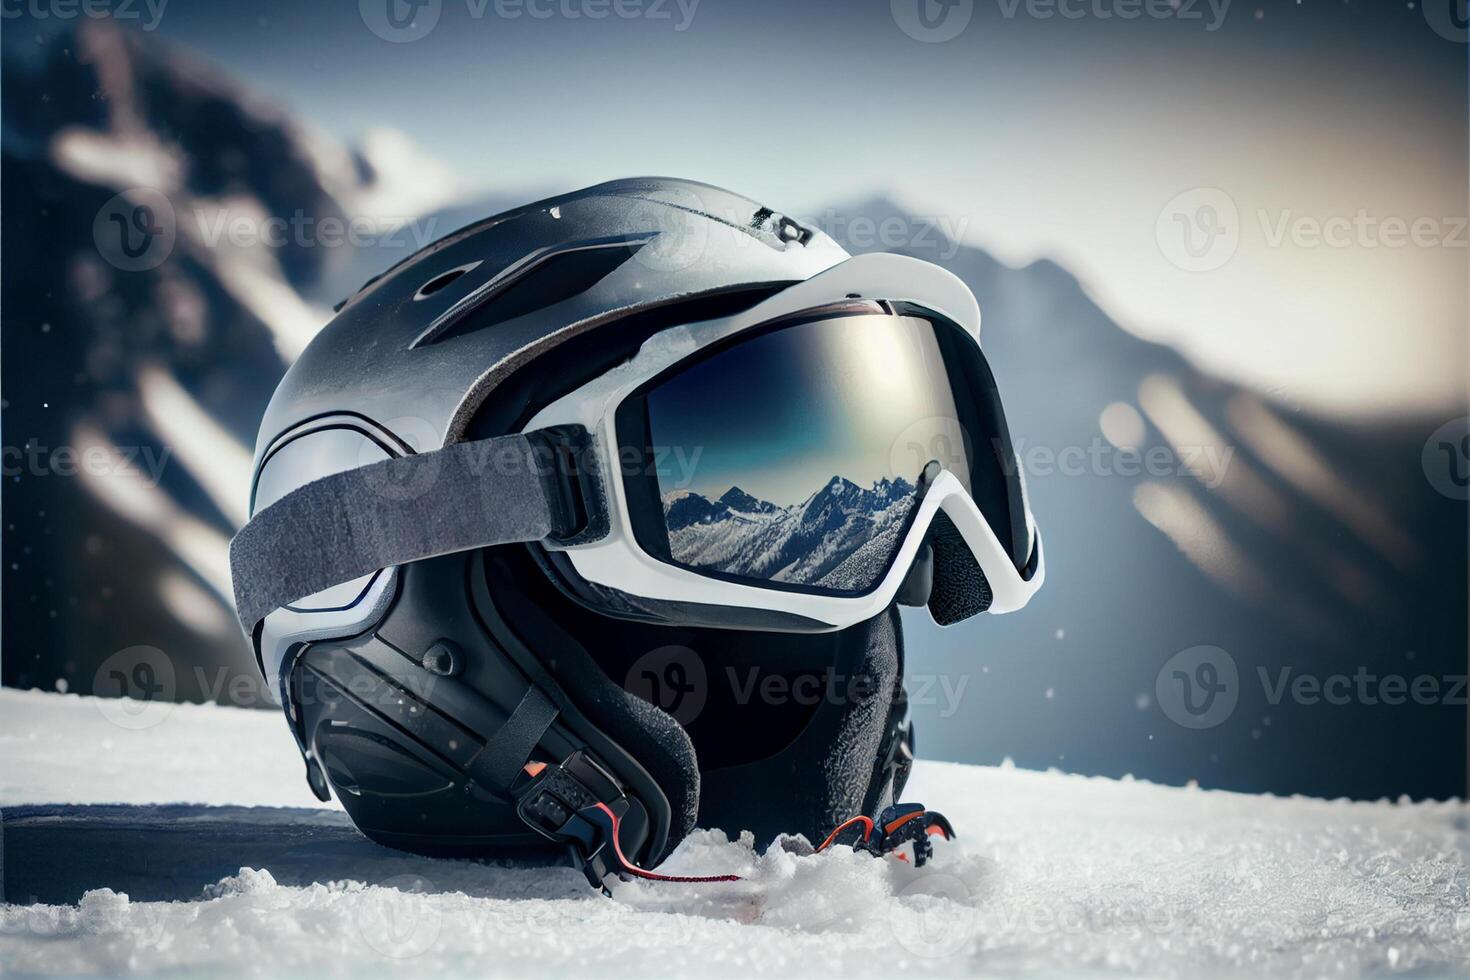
<point x="513" y="488"/>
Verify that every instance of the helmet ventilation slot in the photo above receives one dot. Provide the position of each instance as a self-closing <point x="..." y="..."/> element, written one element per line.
<point x="442" y="280"/>
<point x="533" y="284"/>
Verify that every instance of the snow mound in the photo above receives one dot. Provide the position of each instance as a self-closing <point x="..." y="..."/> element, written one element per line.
<point x="1051" y="874"/>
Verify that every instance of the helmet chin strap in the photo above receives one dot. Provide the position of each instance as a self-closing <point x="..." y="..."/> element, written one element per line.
<point x="578" y="802"/>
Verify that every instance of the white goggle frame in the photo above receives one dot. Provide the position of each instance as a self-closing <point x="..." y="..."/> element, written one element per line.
<point x="616" y="561"/>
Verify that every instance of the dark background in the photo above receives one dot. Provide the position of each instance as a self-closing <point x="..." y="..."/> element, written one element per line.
<point x="1038" y="157"/>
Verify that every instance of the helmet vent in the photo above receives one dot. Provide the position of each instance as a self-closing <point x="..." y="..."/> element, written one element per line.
<point x="534" y="284"/>
<point x="440" y="281"/>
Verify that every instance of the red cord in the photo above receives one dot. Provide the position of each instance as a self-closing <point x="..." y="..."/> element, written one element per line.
<point x="628" y="867"/>
<point x="632" y="869"/>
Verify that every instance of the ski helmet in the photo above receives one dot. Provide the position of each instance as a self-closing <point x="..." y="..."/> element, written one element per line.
<point x="587" y="523"/>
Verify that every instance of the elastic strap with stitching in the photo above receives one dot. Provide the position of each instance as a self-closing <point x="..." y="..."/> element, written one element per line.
<point x="341" y="527"/>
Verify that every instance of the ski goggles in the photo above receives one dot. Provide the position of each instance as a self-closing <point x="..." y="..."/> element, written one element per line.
<point x="784" y="468"/>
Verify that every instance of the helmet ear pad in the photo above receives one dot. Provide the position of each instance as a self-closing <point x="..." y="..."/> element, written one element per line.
<point x="790" y="730"/>
<point x="425" y="724"/>
<point x="654" y="739"/>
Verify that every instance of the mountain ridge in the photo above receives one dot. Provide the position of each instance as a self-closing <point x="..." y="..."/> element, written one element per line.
<point x="834" y="538"/>
<point x="1321" y="545"/>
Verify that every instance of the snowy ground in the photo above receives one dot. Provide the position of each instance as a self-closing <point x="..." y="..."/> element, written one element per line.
<point x="1053" y="874"/>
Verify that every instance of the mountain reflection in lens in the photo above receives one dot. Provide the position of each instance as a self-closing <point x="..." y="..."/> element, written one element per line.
<point x="796" y="430"/>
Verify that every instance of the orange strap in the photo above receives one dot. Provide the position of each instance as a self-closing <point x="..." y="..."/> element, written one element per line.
<point x="867" y="830"/>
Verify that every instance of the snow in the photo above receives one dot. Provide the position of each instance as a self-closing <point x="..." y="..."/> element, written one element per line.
<point x="120" y="161"/>
<point x="406" y="180"/>
<point x="62" y="748"/>
<point x="840" y="536"/>
<point x="1051" y="874"/>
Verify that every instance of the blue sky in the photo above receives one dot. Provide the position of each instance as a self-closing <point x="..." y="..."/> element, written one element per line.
<point x="782" y="414"/>
<point x="1043" y="128"/>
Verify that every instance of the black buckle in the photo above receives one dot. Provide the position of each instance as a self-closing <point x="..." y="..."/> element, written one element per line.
<point x="567" y="462"/>
<point x="554" y="804"/>
<point x="907" y="823"/>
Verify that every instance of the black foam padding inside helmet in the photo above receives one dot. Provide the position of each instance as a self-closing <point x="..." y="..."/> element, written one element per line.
<point x="830" y="770"/>
<point x="960" y="587"/>
<point x="784" y="728"/>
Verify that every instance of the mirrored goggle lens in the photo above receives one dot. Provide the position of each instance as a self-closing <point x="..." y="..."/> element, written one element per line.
<point x="793" y="456"/>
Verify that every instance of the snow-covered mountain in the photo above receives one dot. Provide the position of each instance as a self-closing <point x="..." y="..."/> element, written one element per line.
<point x="137" y="368"/>
<point x="839" y="537"/>
<point x="1294" y="542"/>
<point x="1286" y="539"/>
